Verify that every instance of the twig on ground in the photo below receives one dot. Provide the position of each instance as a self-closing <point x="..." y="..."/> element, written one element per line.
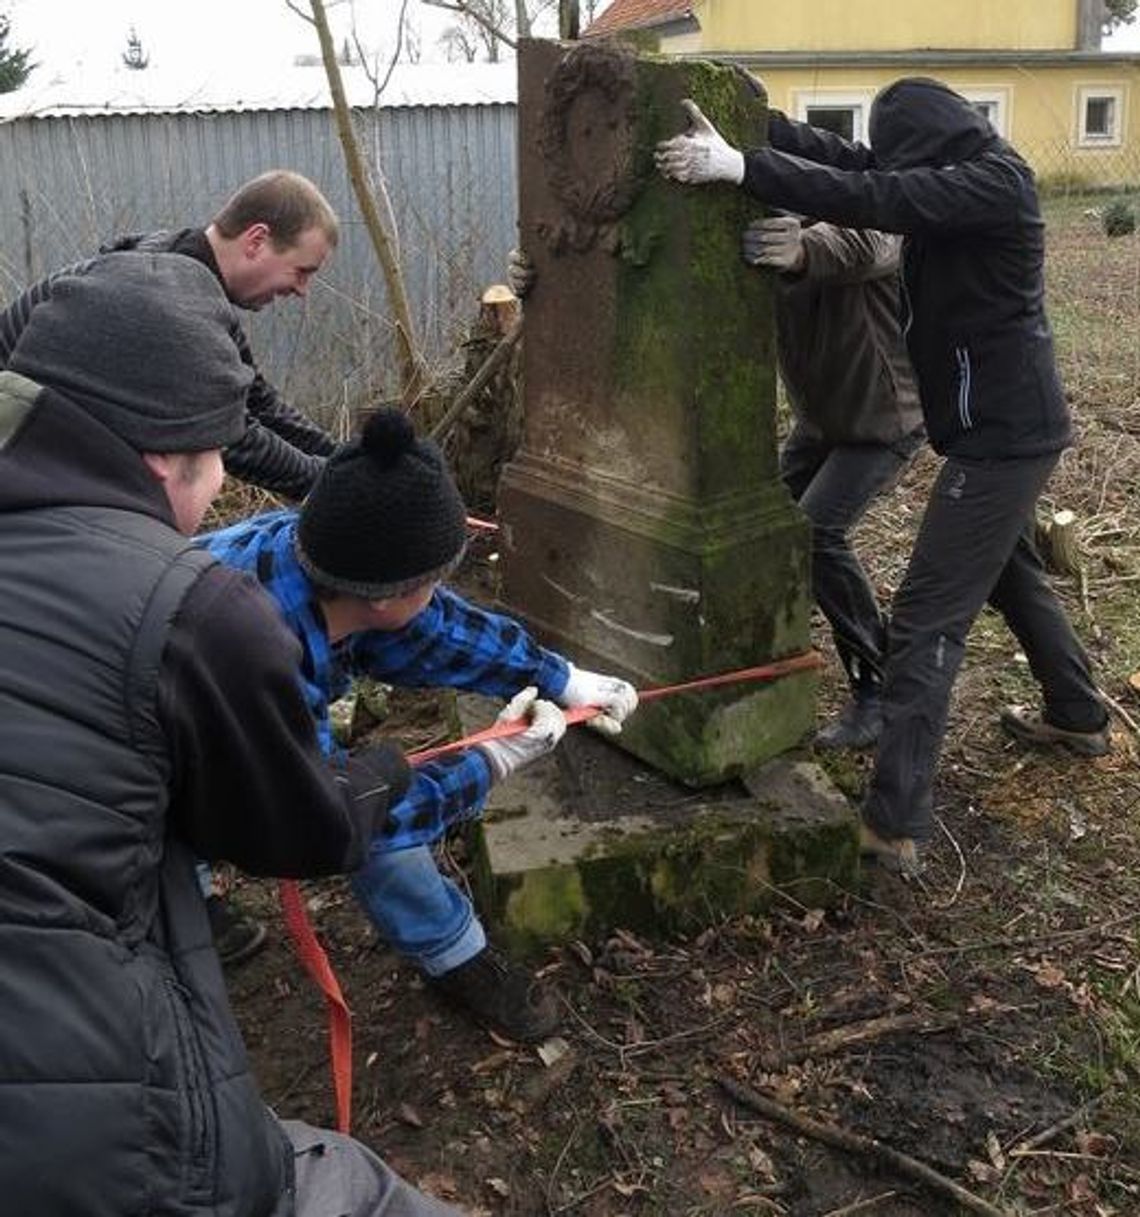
<point x="1119" y="711"/>
<point x="840" y="1138"/>
<point x="838" y="1038"/>
<point x="558" y="1164"/>
<point x="1055" y="1130"/>
<point x="961" y="864"/>
<point x="1029" y="940"/>
<point x="860" y="1206"/>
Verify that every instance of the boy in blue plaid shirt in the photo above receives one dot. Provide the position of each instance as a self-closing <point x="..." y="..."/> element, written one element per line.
<point x="356" y="575"/>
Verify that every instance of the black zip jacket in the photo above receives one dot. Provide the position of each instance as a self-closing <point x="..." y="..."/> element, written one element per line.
<point x="972" y="265"/>
<point x="149" y="702"/>
<point x="282" y="450"/>
<point x="253" y="786"/>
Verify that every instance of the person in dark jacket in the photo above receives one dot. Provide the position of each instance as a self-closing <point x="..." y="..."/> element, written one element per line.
<point x="980" y="343"/>
<point x="857" y="424"/>
<point x="268" y="240"/>
<point x="149" y="713"/>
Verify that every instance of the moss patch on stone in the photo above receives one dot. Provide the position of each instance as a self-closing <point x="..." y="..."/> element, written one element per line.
<point x="722" y="863"/>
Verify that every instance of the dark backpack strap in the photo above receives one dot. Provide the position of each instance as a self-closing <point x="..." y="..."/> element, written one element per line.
<point x="166" y="598"/>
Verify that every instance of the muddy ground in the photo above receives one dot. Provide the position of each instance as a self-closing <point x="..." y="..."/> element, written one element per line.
<point x="985" y="1021"/>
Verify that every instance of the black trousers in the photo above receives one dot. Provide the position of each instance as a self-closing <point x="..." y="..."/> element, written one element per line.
<point x="834" y="485"/>
<point x="975" y="545"/>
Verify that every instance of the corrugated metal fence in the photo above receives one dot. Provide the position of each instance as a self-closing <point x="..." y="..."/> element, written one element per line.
<point x="70" y="183"/>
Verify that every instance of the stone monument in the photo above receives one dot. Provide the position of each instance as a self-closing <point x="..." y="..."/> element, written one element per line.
<point x="644" y="526"/>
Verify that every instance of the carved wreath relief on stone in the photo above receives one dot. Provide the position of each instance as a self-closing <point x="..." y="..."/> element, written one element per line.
<point x="588" y="147"/>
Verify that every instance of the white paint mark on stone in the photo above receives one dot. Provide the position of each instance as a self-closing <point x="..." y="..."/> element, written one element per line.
<point x="656" y="640"/>
<point x="562" y="591"/>
<point x="687" y="595"/>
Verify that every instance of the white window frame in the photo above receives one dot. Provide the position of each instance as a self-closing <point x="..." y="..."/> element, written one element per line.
<point x="858" y="100"/>
<point x="1117" y="93"/>
<point x="997" y="96"/>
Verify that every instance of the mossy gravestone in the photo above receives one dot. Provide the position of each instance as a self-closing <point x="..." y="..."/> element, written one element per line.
<point x="645" y="529"/>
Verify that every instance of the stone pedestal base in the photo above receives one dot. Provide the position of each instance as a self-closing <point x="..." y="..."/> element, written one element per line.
<point x="660" y="590"/>
<point x="588" y="841"/>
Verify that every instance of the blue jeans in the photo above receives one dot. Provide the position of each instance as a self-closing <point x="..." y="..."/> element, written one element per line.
<point x="420" y="913"/>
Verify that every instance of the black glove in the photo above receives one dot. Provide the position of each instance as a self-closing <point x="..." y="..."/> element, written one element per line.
<point x="379" y="776"/>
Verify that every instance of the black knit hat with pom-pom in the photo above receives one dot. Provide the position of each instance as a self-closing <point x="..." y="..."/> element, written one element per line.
<point x="385" y="516"/>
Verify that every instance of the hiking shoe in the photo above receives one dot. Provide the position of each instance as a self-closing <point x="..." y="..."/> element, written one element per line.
<point x="502" y="996"/>
<point x="236" y="936"/>
<point x="901" y="855"/>
<point x="1033" y="729"/>
<point x="859" y="725"/>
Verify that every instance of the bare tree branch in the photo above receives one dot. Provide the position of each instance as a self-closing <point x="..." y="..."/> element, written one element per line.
<point x="303" y="15"/>
<point x="465" y="9"/>
<point x="378" y="86"/>
<point x="412" y="370"/>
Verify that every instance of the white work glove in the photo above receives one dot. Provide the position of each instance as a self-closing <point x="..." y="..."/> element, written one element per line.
<point x="547" y="727"/>
<point x="701" y="154"/>
<point x="616" y="697"/>
<point x="777" y="242"/>
<point x="520" y="272"/>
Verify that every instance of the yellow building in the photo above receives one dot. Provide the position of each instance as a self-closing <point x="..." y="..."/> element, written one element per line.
<point x="1034" y="67"/>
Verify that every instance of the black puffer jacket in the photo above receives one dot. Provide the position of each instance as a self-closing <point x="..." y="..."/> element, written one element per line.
<point x="124" y="1084"/>
<point x="973" y="258"/>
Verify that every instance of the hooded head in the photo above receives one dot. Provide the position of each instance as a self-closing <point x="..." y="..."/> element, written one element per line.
<point x="385" y="516"/>
<point x="144" y="344"/>
<point x="919" y="121"/>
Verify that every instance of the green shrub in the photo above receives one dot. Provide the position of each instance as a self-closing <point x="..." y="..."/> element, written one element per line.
<point x="1118" y="218"/>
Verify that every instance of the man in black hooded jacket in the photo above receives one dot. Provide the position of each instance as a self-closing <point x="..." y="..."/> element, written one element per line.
<point x="981" y="347"/>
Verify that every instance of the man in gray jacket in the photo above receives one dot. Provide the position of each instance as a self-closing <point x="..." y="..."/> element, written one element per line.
<point x="857" y="424"/>
<point x="149" y="713"/>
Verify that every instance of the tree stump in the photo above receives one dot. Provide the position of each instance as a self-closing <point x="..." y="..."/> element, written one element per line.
<point x="1060" y="548"/>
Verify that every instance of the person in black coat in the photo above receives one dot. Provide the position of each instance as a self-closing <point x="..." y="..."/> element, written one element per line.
<point x="980" y="343"/>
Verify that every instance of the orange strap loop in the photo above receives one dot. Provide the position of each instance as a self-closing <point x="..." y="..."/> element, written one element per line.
<point x="313" y="956"/>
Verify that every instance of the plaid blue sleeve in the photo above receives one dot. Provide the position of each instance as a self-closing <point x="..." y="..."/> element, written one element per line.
<point x="460" y="645"/>
<point x="443" y="792"/>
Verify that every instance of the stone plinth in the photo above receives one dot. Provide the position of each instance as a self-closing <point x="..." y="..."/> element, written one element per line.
<point x="645" y="530"/>
<point x="590" y="840"/>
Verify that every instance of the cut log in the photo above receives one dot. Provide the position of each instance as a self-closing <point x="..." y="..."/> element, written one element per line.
<point x="1062" y="552"/>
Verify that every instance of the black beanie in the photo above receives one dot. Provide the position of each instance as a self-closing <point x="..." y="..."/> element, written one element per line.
<point x="385" y="516"/>
<point x="145" y="344"/>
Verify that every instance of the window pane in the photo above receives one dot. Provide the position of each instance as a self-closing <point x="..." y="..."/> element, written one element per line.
<point x="987" y="109"/>
<point x="840" y="119"/>
<point x="1099" y="113"/>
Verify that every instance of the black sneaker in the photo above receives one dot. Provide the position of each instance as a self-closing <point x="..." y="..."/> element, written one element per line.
<point x="502" y="996"/>
<point x="859" y="725"/>
<point x="1033" y="729"/>
<point x="236" y="936"/>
